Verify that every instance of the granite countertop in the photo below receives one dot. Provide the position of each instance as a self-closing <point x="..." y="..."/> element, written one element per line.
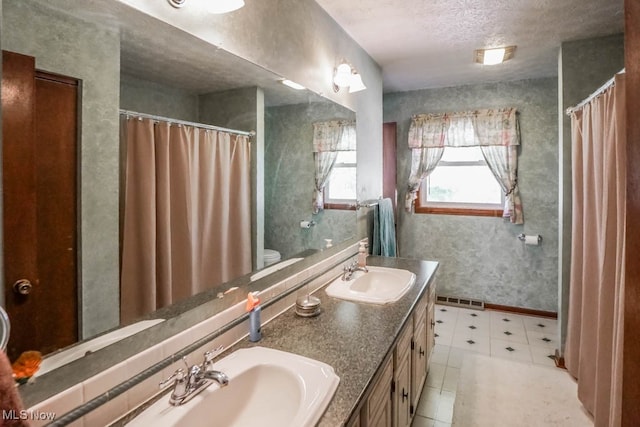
<point x="354" y="338"/>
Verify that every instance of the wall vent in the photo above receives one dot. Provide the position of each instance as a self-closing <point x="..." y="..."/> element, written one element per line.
<point x="460" y="302"/>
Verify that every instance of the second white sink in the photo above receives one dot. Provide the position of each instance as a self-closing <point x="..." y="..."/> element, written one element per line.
<point x="381" y="285"/>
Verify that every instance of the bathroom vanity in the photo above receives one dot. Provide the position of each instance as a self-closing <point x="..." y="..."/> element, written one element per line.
<point x="380" y="352"/>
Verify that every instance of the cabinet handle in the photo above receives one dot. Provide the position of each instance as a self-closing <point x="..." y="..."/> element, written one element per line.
<point x="433" y="324"/>
<point x="421" y="351"/>
<point x="405" y="395"/>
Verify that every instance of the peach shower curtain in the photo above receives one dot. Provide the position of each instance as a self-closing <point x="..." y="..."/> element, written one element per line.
<point x="187" y="213"/>
<point x="593" y="352"/>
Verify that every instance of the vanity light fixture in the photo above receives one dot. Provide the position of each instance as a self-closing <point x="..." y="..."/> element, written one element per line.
<point x="494" y="56"/>
<point x="292" y="84"/>
<point x="347" y="76"/>
<point x="213" y="6"/>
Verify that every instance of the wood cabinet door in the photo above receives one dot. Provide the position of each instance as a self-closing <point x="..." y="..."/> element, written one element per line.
<point x="378" y="409"/>
<point x="384" y="415"/>
<point x="403" y="392"/>
<point x="431" y="332"/>
<point x="418" y="362"/>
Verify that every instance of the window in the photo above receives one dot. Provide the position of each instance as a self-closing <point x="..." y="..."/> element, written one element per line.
<point x="340" y="191"/>
<point x="461" y="184"/>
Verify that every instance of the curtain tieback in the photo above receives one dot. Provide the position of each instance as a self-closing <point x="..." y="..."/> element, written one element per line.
<point x="511" y="190"/>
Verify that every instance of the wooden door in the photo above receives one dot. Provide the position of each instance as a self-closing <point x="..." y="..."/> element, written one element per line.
<point x="39" y="126"/>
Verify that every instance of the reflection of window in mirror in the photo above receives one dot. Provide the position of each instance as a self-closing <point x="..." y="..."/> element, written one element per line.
<point x="340" y="191"/>
<point x="461" y="184"/>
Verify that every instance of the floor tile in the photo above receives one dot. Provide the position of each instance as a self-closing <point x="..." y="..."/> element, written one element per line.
<point x="511" y="351"/>
<point x="510" y="333"/>
<point x="440" y="354"/>
<point x="542" y="356"/>
<point x="543" y="339"/>
<point x="531" y="340"/>
<point x="540" y="324"/>
<point x="474" y="317"/>
<point x="456" y="357"/>
<point x="445" y="312"/>
<point x="501" y="321"/>
<point x="443" y="338"/>
<point x="443" y="325"/>
<point x="477" y="344"/>
<point x="450" y="382"/>
<point x="436" y="376"/>
<point x="428" y="404"/>
<point x="419" y="421"/>
<point x="473" y="333"/>
<point x="445" y="406"/>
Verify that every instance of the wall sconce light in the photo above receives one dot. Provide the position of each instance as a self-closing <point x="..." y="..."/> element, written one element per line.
<point x="347" y="76"/>
<point x="213" y="6"/>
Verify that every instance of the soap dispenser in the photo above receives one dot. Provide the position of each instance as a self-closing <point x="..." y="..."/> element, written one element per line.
<point x="362" y="255"/>
<point x="253" y="307"/>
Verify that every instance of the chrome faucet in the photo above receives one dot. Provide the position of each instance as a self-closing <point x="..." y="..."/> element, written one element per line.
<point x="348" y="270"/>
<point x="187" y="384"/>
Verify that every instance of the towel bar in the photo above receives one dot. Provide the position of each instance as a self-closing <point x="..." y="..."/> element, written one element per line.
<point x="366" y="204"/>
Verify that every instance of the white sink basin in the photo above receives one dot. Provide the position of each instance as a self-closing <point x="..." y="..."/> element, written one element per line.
<point x="76" y="352"/>
<point x="266" y="388"/>
<point x="381" y="285"/>
<point x="273" y="268"/>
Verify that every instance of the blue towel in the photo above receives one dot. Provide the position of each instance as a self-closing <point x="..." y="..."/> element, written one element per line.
<point x="384" y="229"/>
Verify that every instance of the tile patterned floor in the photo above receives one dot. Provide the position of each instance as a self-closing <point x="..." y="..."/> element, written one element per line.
<point x="459" y="331"/>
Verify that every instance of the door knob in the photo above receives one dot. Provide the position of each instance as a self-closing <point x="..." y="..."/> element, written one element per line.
<point x="22" y="286"/>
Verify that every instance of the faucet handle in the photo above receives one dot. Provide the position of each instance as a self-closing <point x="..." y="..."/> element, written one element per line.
<point x="210" y="355"/>
<point x="177" y="377"/>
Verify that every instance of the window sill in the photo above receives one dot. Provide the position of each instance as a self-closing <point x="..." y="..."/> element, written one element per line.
<point x="340" y="206"/>
<point x="458" y="211"/>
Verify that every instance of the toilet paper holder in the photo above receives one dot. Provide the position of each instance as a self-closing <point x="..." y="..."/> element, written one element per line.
<point x="307" y="224"/>
<point x="523" y="237"/>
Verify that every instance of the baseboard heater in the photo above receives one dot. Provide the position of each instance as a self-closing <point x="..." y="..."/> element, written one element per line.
<point x="460" y="302"/>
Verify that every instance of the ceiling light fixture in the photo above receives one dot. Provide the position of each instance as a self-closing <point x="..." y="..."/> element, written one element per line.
<point x="494" y="56"/>
<point x="292" y="84"/>
<point x="347" y="76"/>
<point x="213" y="6"/>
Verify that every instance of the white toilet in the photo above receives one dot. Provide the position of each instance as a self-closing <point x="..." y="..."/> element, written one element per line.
<point x="271" y="257"/>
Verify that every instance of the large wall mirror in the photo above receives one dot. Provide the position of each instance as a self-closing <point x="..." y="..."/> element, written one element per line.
<point x="117" y="58"/>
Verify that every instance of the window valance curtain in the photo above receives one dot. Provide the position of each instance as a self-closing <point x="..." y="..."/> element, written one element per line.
<point x="496" y="132"/>
<point x="328" y="139"/>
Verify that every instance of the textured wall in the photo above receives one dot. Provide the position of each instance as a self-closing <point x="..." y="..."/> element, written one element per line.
<point x="67" y="46"/>
<point x="481" y="257"/>
<point x="584" y="66"/>
<point x="148" y="97"/>
<point x="289" y="180"/>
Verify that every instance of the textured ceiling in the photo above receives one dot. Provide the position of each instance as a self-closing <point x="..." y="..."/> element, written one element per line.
<point x="155" y="51"/>
<point x="430" y="43"/>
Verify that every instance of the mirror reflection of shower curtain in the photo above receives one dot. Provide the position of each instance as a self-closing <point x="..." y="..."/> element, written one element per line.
<point x="187" y="213"/>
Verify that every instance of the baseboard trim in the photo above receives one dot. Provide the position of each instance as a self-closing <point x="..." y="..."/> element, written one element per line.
<point x="559" y="360"/>
<point x="520" y="310"/>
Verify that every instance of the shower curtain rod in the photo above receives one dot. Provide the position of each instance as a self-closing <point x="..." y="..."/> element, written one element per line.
<point x="598" y="92"/>
<point x="186" y="123"/>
